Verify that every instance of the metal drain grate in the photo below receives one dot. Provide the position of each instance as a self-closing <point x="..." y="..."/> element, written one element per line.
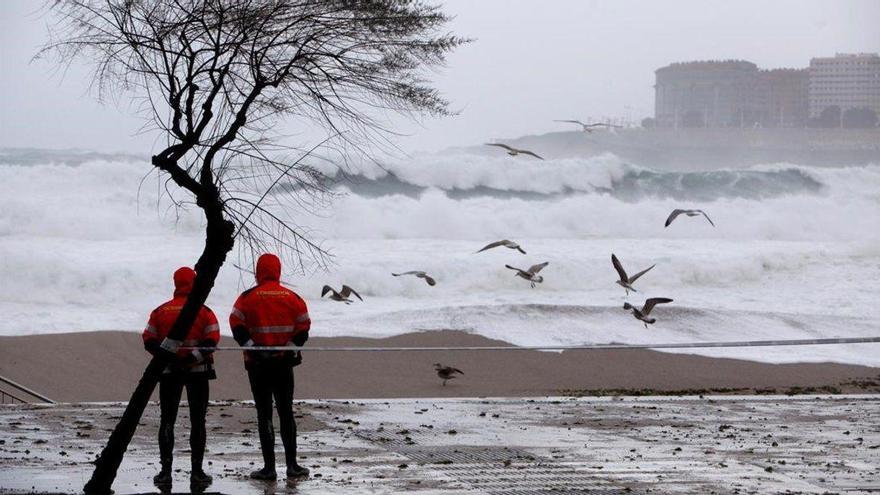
<point x="497" y="470"/>
<point x="465" y="455"/>
<point x="532" y="478"/>
<point x="560" y="491"/>
<point x="508" y="471"/>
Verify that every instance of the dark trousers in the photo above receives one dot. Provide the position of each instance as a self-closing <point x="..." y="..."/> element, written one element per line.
<point x="274" y="379"/>
<point x="170" y="391"/>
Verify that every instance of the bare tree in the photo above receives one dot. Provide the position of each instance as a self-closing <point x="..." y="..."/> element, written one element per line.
<point x="215" y="77"/>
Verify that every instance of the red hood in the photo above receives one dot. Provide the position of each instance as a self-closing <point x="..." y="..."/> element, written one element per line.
<point x="268" y="268"/>
<point x="183" y="281"/>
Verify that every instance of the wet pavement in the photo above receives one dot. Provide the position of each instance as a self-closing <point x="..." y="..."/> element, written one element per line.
<point x="725" y="444"/>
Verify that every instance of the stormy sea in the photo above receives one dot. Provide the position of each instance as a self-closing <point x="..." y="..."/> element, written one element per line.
<point x="88" y="241"/>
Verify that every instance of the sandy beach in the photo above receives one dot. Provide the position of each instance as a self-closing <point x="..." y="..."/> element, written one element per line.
<point x="105" y="366"/>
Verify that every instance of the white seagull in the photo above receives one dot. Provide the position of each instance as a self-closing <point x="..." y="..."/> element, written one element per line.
<point x="531" y="274"/>
<point x="506" y="243"/>
<point x="691" y="213"/>
<point x="514" y="151"/>
<point x="589" y="127"/>
<point x="642" y="314"/>
<point x="419" y="274"/>
<point x="341" y="296"/>
<point x="627" y="281"/>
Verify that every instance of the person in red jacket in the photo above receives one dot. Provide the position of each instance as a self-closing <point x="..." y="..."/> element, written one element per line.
<point x="270" y="314"/>
<point x="191" y="369"/>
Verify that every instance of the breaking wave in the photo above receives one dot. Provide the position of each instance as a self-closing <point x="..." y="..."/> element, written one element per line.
<point x="465" y="196"/>
<point x="472" y="197"/>
<point x="473" y="176"/>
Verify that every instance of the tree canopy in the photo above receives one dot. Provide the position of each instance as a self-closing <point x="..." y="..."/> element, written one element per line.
<point x="216" y="76"/>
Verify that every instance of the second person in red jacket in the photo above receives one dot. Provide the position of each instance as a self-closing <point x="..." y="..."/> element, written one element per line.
<point x="270" y="314"/>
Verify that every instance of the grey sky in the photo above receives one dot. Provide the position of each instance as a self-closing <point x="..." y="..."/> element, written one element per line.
<point x="532" y="62"/>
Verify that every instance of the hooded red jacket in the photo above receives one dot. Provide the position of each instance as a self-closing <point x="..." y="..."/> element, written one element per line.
<point x="205" y="329"/>
<point x="271" y="313"/>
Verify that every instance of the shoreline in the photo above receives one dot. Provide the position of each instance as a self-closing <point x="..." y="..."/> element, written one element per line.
<point x="105" y="366"/>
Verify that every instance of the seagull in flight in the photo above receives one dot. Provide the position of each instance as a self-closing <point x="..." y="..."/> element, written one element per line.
<point x="341" y="296"/>
<point x="691" y="213"/>
<point x="642" y="314"/>
<point x="419" y="274"/>
<point x="531" y="274"/>
<point x="506" y="243"/>
<point x="590" y="127"/>
<point x="514" y="151"/>
<point x="627" y="281"/>
<point x="446" y="372"/>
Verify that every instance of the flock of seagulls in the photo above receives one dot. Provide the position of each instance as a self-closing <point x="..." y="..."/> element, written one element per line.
<point x="531" y="274"/>
<point x="586" y="127"/>
<point x="626" y="282"/>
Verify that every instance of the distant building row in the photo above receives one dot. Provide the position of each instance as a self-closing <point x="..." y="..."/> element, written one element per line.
<point x="735" y="93"/>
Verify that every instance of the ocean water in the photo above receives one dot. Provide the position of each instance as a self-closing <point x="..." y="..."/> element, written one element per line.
<point x="88" y="242"/>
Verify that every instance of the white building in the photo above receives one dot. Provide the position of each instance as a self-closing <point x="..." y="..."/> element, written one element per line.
<point x="846" y="81"/>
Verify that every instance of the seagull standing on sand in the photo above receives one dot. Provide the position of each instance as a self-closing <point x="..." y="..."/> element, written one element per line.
<point x="589" y="127"/>
<point x="419" y="274"/>
<point x="531" y="274"/>
<point x="446" y="372"/>
<point x="341" y="296"/>
<point x="626" y="281"/>
<point x="642" y="314"/>
<point x="514" y="151"/>
<point x="691" y="213"/>
<point x="505" y="243"/>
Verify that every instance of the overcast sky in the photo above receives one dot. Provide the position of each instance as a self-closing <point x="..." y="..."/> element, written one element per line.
<point x="532" y="62"/>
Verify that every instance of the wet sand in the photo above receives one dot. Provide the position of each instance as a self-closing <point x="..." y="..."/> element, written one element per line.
<point x="105" y="366"/>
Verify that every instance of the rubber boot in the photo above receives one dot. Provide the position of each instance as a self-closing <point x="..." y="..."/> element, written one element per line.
<point x="166" y="454"/>
<point x="199" y="477"/>
<point x="164" y="476"/>
<point x="267" y="447"/>
<point x="296" y="471"/>
<point x="265" y="474"/>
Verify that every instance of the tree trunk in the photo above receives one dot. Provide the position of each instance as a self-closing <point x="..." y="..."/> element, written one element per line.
<point x="218" y="242"/>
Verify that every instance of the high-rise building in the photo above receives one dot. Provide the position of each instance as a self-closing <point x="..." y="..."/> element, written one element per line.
<point x="845" y="81"/>
<point x="783" y="95"/>
<point x="735" y="93"/>
<point x="707" y="94"/>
